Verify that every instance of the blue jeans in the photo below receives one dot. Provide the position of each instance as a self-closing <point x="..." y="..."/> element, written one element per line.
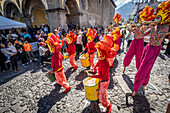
<point x="123" y="41"/>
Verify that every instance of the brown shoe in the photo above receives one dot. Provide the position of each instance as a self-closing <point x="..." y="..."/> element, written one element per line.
<point x="19" y="69"/>
<point x="15" y="71"/>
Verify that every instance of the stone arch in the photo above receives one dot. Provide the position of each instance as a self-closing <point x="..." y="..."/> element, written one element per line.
<point x="29" y="7"/>
<point x="38" y="13"/>
<point x="11" y="10"/>
<point x="72" y="11"/>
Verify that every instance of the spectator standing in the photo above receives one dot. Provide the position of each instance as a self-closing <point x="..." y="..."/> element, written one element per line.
<point x="42" y="51"/>
<point x="84" y="38"/>
<point x="22" y="40"/>
<point x="129" y="38"/>
<point x="2" y="62"/>
<point x="46" y="29"/>
<point x="29" y="50"/>
<point x="13" y="59"/>
<point x="64" y="47"/>
<point x="21" y="53"/>
<point x="101" y="37"/>
<point x="79" y="42"/>
<point x="123" y="37"/>
<point x="2" y="39"/>
<point x="14" y="36"/>
<point x="27" y="36"/>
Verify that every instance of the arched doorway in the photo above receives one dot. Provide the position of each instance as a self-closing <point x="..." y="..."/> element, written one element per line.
<point x="72" y="15"/>
<point x="35" y="11"/>
<point x="39" y="17"/>
<point x="11" y="11"/>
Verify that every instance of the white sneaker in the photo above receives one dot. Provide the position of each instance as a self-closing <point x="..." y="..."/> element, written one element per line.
<point x="7" y="61"/>
<point x="30" y="61"/>
<point x="91" y="68"/>
<point x="35" y="59"/>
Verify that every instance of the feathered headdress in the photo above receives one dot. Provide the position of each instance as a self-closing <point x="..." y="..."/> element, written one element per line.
<point x="71" y="37"/>
<point x="163" y="10"/>
<point x="147" y="14"/>
<point x="53" y="42"/>
<point x="91" y="35"/>
<point x="117" y="18"/>
<point x="116" y="33"/>
<point x="102" y="49"/>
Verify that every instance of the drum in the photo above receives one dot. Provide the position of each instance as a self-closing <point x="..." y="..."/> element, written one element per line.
<point x="66" y="55"/>
<point x="85" y="60"/>
<point x="51" y="77"/>
<point x="91" y="87"/>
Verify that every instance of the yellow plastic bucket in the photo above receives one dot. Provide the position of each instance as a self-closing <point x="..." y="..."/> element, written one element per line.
<point x="66" y="55"/>
<point x="91" y="87"/>
<point x="85" y="61"/>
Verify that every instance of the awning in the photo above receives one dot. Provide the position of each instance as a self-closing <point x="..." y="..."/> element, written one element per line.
<point x="6" y="23"/>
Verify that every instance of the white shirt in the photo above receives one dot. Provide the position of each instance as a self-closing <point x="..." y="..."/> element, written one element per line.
<point x="45" y="28"/>
<point x="42" y="51"/>
<point x="79" y="40"/>
<point x="101" y="37"/>
<point x="13" y="35"/>
<point x="12" y="49"/>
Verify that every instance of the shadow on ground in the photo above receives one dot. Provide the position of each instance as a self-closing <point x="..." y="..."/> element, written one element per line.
<point x="112" y="73"/>
<point x="80" y="77"/>
<point x="48" y="101"/>
<point x="68" y="72"/>
<point x="140" y="103"/>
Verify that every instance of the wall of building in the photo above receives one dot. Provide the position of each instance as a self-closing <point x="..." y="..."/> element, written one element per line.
<point x="82" y="12"/>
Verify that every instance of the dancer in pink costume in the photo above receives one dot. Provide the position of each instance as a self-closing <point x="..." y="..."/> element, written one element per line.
<point x="136" y="48"/>
<point x="137" y="45"/>
<point x="158" y="31"/>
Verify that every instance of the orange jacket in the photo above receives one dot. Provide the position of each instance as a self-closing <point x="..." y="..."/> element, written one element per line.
<point x="27" y="47"/>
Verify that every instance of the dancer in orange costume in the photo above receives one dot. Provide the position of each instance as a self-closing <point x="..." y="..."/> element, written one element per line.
<point x="114" y="42"/>
<point x="71" y="38"/>
<point x="90" y="46"/>
<point x="103" y="49"/>
<point x="114" y="48"/>
<point x="55" y="45"/>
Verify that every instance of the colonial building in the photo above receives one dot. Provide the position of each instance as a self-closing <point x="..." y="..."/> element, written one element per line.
<point x="59" y="12"/>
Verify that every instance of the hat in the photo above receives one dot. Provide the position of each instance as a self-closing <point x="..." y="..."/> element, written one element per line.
<point x="147" y="14"/>
<point x="41" y="43"/>
<point x="16" y="42"/>
<point x="91" y="35"/>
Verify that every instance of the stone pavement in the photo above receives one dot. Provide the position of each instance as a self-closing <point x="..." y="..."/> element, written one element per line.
<point x="29" y="90"/>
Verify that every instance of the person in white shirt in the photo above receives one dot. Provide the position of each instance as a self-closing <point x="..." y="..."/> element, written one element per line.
<point x="12" y="49"/>
<point x="13" y="59"/>
<point x="79" y="42"/>
<point x="42" y="51"/>
<point x="14" y="36"/>
<point x="101" y="37"/>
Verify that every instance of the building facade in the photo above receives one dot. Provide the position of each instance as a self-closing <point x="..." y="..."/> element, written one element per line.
<point x="59" y="12"/>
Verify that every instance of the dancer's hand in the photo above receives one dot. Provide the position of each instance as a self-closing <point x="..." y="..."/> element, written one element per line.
<point x="50" y="72"/>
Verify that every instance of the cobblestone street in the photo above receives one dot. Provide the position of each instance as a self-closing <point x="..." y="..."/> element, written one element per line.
<point x="30" y="91"/>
